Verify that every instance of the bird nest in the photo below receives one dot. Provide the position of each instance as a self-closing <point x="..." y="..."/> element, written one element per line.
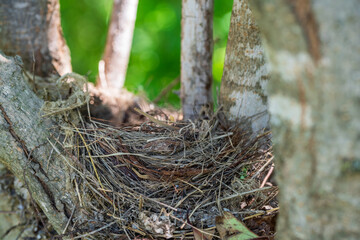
<point x="163" y="179"/>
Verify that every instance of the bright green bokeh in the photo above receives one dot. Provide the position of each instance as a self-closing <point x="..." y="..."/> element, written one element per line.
<point x="155" y="54"/>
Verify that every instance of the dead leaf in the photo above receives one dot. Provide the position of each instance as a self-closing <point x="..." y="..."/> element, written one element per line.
<point x="205" y="235"/>
<point x="157" y="224"/>
<point x="230" y="228"/>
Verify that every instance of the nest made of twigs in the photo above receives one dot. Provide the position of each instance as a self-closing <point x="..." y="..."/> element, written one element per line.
<point x="161" y="179"/>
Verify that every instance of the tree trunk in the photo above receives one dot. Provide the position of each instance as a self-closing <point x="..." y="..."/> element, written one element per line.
<point x="196" y="57"/>
<point x="25" y="149"/>
<point x="313" y="47"/>
<point x="243" y="87"/>
<point x="32" y="30"/>
<point x="112" y="69"/>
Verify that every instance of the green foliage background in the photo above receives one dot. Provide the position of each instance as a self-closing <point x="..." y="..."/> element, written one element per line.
<point x="155" y="54"/>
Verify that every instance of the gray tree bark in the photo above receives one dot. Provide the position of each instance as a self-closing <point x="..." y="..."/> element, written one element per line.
<point x="32" y="30"/>
<point x="196" y="57"/>
<point x="25" y="149"/>
<point x="313" y="47"/>
<point x="112" y="69"/>
<point x="243" y="86"/>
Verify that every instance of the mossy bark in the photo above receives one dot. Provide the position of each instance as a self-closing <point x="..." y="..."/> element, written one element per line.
<point x="243" y="95"/>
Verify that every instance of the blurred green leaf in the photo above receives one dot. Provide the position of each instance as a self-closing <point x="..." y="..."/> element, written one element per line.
<point x="155" y="55"/>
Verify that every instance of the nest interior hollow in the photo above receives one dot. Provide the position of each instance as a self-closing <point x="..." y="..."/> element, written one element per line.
<point x="163" y="178"/>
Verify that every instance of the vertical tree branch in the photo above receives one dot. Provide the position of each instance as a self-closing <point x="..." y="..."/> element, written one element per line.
<point x="243" y="93"/>
<point x="196" y="56"/>
<point x="118" y="44"/>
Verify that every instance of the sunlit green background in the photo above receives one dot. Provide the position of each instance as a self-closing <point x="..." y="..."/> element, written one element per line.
<point x="155" y="54"/>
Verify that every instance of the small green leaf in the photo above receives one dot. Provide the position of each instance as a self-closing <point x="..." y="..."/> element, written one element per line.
<point x="230" y="228"/>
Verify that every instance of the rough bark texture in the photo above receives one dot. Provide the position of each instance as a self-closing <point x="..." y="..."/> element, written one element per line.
<point x="196" y="56"/>
<point x="25" y="148"/>
<point x="118" y="45"/>
<point x="314" y="102"/>
<point x="243" y="88"/>
<point x="32" y="30"/>
<point x="12" y="209"/>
